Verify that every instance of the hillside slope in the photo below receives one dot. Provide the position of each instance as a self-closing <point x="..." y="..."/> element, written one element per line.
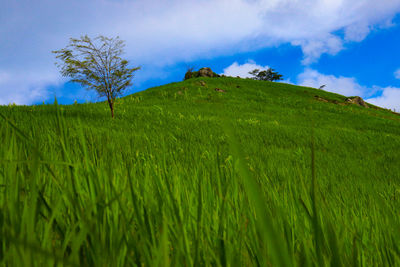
<point x="255" y="173"/>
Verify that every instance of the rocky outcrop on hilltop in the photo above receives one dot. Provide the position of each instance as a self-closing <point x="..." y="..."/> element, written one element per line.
<point x="203" y="72"/>
<point x="357" y="101"/>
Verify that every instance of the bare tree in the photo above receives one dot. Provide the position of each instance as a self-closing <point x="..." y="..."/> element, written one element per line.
<point x="96" y="64"/>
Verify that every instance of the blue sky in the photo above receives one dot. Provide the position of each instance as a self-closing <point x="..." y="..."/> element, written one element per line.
<point x="352" y="48"/>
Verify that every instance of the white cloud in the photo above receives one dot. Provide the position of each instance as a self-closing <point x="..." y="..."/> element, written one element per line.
<point x="341" y="85"/>
<point x="390" y="99"/>
<point x="166" y="32"/>
<point x="314" y="48"/>
<point x="26" y="88"/>
<point x="347" y="86"/>
<point x="357" y="32"/>
<point x="397" y="74"/>
<point x="242" y="70"/>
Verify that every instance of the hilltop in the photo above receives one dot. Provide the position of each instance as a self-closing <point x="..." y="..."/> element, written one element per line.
<point x="209" y="171"/>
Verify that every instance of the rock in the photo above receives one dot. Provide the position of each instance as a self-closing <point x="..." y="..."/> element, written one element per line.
<point x="321" y="99"/>
<point x="220" y="90"/>
<point x="203" y="72"/>
<point x="202" y="83"/>
<point x="206" y="72"/>
<point x="357" y="101"/>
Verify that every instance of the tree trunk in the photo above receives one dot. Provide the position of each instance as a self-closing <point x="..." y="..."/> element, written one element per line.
<point x="111" y="104"/>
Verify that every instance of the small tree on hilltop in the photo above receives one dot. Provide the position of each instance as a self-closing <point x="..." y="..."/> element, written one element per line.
<point x="266" y="75"/>
<point x="254" y="73"/>
<point x="97" y="65"/>
<point x="189" y="73"/>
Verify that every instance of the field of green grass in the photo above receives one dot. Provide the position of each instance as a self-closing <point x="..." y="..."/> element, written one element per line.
<point x="263" y="174"/>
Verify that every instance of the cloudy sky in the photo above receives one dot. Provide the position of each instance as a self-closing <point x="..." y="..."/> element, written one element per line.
<point x="350" y="46"/>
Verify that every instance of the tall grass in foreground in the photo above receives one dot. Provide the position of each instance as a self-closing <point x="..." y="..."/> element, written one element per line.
<point x="73" y="195"/>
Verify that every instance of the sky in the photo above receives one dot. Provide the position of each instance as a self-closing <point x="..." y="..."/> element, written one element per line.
<point x="350" y="46"/>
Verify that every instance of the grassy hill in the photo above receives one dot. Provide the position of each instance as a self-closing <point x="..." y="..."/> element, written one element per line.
<point x="263" y="174"/>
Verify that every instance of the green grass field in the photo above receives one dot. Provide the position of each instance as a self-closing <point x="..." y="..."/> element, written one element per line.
<point x="261" y="175"/>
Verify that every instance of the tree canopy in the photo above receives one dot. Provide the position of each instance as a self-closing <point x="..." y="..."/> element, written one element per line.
<point x="266" y="75"/>
<point x="97" y="64"/>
